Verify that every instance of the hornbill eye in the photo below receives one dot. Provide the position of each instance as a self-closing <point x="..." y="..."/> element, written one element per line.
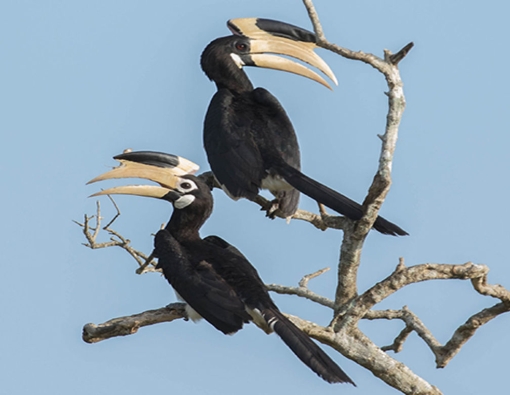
<point x="186" y="186"/>
<point x="241" y="47"/>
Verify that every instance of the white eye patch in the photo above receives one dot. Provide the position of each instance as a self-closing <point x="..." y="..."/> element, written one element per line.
<point x="184" y="201"/>
<point x="186" y="186"/>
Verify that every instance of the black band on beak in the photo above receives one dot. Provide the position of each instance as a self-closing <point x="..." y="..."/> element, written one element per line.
<point x="172" y="196"/>
<point x="286" y="30"/>
<point x="151" y="158"/>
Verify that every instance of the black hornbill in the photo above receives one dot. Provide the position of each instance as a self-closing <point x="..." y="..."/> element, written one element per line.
<point x="210" y="275"/>
<point x="248" y="137"/>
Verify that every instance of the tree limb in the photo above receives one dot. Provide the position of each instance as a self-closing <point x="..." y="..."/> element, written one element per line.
<point x="349" y="306"/>
<point x="354" y="236"/>
<point x="116" y="239"/>
<point x="343" y="333"/>
<point x="356" y="346"/>
<point x="124" y="326"/>
<point x="302" y="290"/>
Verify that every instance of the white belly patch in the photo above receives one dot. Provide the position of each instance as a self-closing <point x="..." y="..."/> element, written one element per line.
<point x="190" y="311"/>
<point x="275" y="183"/>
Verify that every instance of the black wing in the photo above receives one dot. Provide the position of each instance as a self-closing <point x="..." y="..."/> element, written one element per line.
<point x="300" y="344"/>
<point x="273" y="130"/>
<point x="278" y="142"/>
<point x="200" y="286"/>
<point x="218" y="241"/>
<point x="238" y="272"/>
<point x="243" y="136"/>
<point x="231" y="151"/>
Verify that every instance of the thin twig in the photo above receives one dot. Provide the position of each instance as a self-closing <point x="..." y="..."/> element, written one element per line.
<point x="116" y="215"/>
<point x="398" y="343"/>
<point x="143" y="268"/>
<point x="303" y="283"/>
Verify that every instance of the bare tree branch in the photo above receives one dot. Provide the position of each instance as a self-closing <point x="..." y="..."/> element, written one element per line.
<point x="466" y="331"/>
<point x="124" y="326"/>
<point x="403" y="276"/>
<point x="343" y="334"/>
<point x="302" y="290"/>
<point x="356" y="346"/>
<point x="443" y="353"/>
<point x="413" y="323"/>
<point x="116" y="239"/>
<point x="303" y="283"/>
<point x="358" y="309"/>
<point x="398" y="343"/>
<point x="349" y="306"/>
<point x="414" y="274"/>
<point x="354" y="236"/>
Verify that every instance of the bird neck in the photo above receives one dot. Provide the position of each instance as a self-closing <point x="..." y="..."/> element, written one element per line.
<point x="185" y="224"/>
<point x="219" y="66"/>
<point x="234" y="79"/>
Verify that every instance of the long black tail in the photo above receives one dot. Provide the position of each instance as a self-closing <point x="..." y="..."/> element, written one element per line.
<point x="332" y="199"/>
<point x="305" y="349"/>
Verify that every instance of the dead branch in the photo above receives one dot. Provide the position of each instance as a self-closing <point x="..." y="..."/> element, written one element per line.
<point x="356" y="346"/>
<point x="124" y="326"/>
<point x="116" y="239"/>
<point x="345" y="325"/>
<point x="349" y="306"/>
<point x="414" y="274"/>
<point x="402" y="277"/>
<point x="354" y="237"/>
<point x="303" y="283"/>
<point x="466" y="331"/>
<point x="302" y="290"/>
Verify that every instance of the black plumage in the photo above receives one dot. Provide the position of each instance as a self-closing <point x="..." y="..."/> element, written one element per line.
<point x="214" y="278"/>
<point x="224" y="285"/>
<point x="249" y="139"/>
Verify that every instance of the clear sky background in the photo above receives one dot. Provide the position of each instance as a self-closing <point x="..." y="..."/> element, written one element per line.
<point x="81" y="81"/>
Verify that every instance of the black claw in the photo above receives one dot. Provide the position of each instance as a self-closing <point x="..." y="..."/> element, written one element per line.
<point x="273" y="209"/>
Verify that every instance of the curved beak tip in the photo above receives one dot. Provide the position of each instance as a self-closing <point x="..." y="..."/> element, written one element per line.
<point x="100" y="193"/>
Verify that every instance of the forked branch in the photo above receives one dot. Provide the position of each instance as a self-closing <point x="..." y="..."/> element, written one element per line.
<point x="349" y="306"/>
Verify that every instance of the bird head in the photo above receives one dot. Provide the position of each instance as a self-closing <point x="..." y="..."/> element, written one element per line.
<point x="174" y="174"/>
<point x="257" y="42"/>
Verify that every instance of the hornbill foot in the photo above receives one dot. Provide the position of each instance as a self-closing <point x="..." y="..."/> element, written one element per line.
<point x="272" y="209"/>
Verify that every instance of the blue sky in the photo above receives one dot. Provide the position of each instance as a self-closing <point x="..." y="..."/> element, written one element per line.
<point x="79" y="82"/>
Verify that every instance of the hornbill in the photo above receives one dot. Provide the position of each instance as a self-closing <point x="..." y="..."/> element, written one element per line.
<point x="248" y="137"/>
<point x="215" y="280"/>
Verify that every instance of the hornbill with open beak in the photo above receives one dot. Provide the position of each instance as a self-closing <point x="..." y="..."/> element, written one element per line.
<point x="248" y="137"/>
<point x="215" y="280"/>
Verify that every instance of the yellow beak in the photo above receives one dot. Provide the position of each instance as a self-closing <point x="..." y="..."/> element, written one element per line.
<point x="165" y="173"/>
<point x="263" y="42"/>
